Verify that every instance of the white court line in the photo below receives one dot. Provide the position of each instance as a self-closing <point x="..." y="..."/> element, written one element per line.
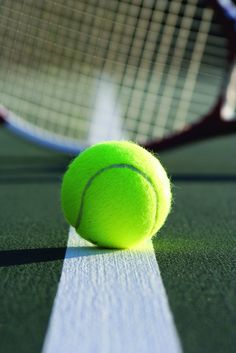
<point x="110" y="302"/>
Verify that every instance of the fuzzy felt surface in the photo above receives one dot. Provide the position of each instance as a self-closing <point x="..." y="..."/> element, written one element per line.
<point x="116" y="194"/>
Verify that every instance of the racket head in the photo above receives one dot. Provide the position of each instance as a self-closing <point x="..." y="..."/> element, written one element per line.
<point x="82" y="72"/>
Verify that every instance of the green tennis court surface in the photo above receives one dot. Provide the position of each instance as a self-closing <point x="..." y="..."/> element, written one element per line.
<point x="196" y="250"/>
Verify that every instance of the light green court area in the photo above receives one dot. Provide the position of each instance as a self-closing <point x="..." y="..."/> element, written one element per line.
<point x="196" y="249"/>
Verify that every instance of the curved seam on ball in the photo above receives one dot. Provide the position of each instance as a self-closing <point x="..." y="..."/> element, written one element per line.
<point x="113" y="166"/>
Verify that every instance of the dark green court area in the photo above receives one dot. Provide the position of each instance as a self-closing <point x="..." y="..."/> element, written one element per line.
<point x="196" y="249"/>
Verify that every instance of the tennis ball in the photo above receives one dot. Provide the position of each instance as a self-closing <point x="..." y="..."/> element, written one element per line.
<point x="116" y="194"/>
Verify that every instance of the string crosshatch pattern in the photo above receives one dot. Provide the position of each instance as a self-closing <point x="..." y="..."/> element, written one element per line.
<point x="75" y="73"/>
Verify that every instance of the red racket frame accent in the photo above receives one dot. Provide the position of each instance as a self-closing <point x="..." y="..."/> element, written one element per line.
<point x="212" y="124"/>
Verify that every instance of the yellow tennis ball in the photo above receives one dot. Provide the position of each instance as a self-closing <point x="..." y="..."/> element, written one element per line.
<point x="116" y="194"/>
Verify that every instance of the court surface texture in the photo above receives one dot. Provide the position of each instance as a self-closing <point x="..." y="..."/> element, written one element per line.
<point x="59" y="294"/>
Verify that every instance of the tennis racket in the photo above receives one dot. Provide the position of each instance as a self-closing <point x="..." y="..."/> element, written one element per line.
<point x="160" y="73"/>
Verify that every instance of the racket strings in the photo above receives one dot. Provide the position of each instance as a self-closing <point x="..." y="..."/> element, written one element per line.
<point x="160" y="61"/>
